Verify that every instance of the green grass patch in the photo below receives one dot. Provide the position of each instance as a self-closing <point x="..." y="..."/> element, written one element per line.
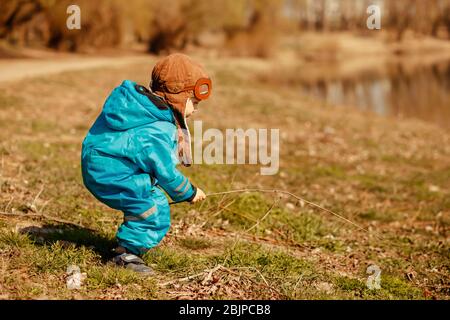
<point x="59" y="255"/>
<point x="250" y="208"/>
<point x="333" y="171"/>
<point x="45" y="258"/>
<point x="273" y="263"/>
<point x="166" y="259"/>
<point x="391" y="288"/>
<point x="376" y="215"/>
<point x="13" y="240"/>
<point x="102" y="243"/>
<point x="372" y="183"/>
<point x="101" y="277"/>
<point x="9" y="101"/>
<point x="194" y="243"/>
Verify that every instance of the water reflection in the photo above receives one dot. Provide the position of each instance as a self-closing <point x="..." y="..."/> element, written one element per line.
<point x="421" y="92"/>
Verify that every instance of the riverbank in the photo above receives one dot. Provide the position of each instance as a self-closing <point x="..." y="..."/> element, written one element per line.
<point x="407" y="79"/>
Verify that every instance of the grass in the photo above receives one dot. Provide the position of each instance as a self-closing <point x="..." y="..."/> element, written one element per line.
<point x="390" y="176"/>
<point x="174" y="261"/>
<point x="195" y="243"/>
<point x="391" y="288"/>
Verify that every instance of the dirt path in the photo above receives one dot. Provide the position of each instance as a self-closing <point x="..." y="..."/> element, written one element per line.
<point x="18" y="69"/>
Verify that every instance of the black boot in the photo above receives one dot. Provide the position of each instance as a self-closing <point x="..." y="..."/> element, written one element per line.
<point x="131" y="261"/>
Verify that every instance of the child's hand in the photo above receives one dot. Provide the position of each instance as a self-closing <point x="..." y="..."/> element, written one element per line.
<point x="199" y="196"/>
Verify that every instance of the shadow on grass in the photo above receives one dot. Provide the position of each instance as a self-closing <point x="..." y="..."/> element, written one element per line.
<point x="51" y="233"/>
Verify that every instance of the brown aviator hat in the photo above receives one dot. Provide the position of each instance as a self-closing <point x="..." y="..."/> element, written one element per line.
<point x="176" y="78"/>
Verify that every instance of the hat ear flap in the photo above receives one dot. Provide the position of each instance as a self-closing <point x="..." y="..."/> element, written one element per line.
<point x="179" y="118"/>
<point x="184" y="137"/>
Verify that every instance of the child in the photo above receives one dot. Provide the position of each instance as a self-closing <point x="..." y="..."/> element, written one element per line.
<point x="130" y="153"/>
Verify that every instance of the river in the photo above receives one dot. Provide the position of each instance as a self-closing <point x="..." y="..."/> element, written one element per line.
<point x="422" y="91"/>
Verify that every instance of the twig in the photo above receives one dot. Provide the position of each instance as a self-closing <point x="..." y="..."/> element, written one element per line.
<point x="208" y="271"/>
<point x="221" y="267"/>
<point x="217" y="212"/>
<point x="37" y="196"/>
<point x="298" y="281"/>
<point x="239" y="214"/>
<point x="45" y="216"/>
<point x="259" y="272"/>
<point x="434" y="286"/>
<point x="253" y="281"/>
<point x="222" y="208"/>
<point x="298" y="198"/>
<point x="254" y="238"/>
<point x="44" y="205"/>
<point x="244" y="233"/>
<point x="231" y="184"/>
<point x="265" y="215"/>
<point x="20" y="171"/>
<point x="9" y="203"/>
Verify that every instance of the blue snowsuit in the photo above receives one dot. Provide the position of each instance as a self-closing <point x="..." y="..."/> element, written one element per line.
<point x="128" y="156"/>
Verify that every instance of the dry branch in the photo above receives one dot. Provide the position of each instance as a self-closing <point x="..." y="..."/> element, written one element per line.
<point x="298" y="198"/>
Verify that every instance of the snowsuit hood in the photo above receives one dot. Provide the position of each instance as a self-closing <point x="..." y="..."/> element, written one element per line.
<point x="128" y="108"/>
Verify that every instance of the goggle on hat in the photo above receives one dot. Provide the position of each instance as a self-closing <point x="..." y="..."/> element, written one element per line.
<point x="202" y="88"/>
